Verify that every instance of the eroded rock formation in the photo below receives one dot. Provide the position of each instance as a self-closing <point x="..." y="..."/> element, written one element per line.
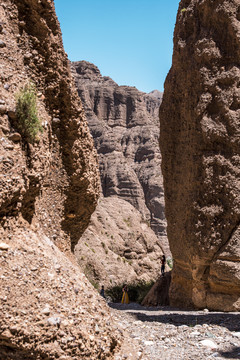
<point x="125" y="127"/>
<point x="48" y="191"/>
<point x="200" y="142"/>
<point x="118" y="246"/>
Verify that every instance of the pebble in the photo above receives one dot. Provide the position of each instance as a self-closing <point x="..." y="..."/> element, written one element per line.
<point x="2" y="44"/>
<point x="148" y="343"/>
<point x="54" y="321"/>
<point x="46" y="311"/>
<point x="3" y="109"/>
<point x="4" y="246"/>
<point x="15" y="137"/>
<point x="209" y="344"/>
<point x="28" y="55"/>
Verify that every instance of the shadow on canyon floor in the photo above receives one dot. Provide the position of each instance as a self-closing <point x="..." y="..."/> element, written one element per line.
<point x="234" y="353"/>
<point x="178" y="317"/>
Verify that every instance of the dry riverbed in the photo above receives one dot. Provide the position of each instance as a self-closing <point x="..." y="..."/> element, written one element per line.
<point x="169" y="333"/>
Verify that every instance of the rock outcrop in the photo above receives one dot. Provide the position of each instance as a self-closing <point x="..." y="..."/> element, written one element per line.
<point x="124" y="124"/>
<point x="48" y="191"/>
<point x="118" y="246"/>
<point x="200" y="142"/>
<point x="159" y="293"/>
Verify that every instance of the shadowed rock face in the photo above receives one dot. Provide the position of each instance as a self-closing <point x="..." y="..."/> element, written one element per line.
<point x="159" y="293"/>
<point x="125" y="127"/>
<point x="200" y="142"/>
<point x="48" y="191"/>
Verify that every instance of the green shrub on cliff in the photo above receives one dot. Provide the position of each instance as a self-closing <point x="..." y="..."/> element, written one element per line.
<point x="27" y="116"/>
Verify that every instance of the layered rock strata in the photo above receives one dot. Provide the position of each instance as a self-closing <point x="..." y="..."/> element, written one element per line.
<point x="125" y="127"/>
<point x="200" y="142"/>
<point x="48" y="190"/>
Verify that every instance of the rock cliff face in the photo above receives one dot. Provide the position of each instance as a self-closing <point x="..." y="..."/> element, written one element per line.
<point x="200" y="142"/>
<point x="118" y="246"/>
<point x="125" y="127"/>
<point x="48" y="191"/>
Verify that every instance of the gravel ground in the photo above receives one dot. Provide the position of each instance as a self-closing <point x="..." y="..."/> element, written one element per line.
<point x="169" y="333"/>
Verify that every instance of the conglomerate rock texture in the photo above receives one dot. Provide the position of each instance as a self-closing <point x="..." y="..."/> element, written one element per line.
<point x="125" y="126"/>
<point x="200" y="146"/>
<point x="48" y="191"/>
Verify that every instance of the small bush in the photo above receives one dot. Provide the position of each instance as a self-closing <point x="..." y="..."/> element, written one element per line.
<point x="26" y="110"/>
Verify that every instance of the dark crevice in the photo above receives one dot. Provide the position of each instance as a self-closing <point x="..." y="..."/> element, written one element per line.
<point x="28" y="202"/>
<point x="226" y="242"/>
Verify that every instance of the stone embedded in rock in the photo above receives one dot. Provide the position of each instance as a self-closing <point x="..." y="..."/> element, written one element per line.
<point x="54" y="321"/>
<point x="6" y="334"/>
<point x="15" y="137"/>
<point x="4" y="246"/>
<point x="12" y="114"/>
<point x="3" y="109"/>
<point x="46" y="311"/>
<point x="209" y="344"/>
<point x="2" y="44"/>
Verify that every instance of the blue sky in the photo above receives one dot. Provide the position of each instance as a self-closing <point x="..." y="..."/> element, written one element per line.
<point x="129" y="40"/>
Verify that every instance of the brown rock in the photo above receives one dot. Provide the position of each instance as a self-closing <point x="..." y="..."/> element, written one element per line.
<point x="3" y="109"/>
<point x="125" y="127"/>
<point x="15" y="137"/>
<point x="12" y="115"/>
<point x="199" y="142"/>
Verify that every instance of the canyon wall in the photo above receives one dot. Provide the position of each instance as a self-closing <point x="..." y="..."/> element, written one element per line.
<point x="124" y="124"/>
<point x="200" y="146"/>
<point x="48" y="190"/>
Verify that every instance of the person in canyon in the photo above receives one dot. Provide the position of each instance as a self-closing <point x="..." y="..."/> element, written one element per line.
<point x="163" y="262"/>
<point x="125" y="298"/>
<point x="102" y="293"/>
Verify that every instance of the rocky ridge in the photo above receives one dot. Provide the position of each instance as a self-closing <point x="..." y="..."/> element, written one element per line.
<point x="199" y="141"/>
